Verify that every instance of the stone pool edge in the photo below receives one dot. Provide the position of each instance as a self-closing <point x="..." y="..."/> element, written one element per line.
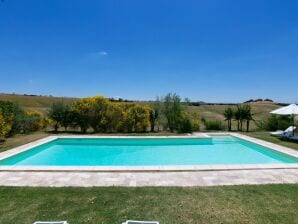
<point x="177" y="168"/>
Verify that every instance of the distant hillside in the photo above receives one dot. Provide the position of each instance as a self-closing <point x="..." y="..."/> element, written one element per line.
<point x="209" y="111"/>
<point x="259" y="109"/>
<point x="33" y="102"/>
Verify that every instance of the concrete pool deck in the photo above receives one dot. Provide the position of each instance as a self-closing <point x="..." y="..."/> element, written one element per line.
<point x="198" y="175"/>
<point x="138" y="179"/>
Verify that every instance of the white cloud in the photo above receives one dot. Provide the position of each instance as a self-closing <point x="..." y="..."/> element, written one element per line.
<point x="96" y="55"/>
<point x="102" y="53"/>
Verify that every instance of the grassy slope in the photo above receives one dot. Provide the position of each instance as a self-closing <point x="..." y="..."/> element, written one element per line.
<point x="231" y="204"/>
<point x="215" y="112"/>
<point x="267" y="137"/>
<point x="42" y="103"/>
<point x="39" y="103"/>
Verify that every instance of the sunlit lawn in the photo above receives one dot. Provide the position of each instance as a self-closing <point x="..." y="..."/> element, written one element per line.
<point x="232" y="204"/>
<point x="267" y="137"/>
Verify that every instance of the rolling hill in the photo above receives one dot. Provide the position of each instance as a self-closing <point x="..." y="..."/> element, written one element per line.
<point x="34" y="102"/>
<point x="208" y="111"/>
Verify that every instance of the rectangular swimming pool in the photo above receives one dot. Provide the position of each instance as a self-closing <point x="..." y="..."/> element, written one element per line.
<point x="218" y="150"/>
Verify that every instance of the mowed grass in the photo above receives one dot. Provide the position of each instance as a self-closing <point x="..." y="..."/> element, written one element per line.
<point x="230" y="204"/>
<point x="267" y="137"/>
<point x="18" y="140"/>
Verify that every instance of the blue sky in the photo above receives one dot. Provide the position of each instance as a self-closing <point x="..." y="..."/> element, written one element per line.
<point x="215" y="50"/>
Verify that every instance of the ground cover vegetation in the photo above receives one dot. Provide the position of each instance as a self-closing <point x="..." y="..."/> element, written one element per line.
<point x="15" y="120"/>
<point x="102" y="115"/>
<point x="22" y="114"/>
<point x="169" y="205"/>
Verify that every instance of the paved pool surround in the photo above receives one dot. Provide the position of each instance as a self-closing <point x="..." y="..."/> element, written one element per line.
<point x="197" y="175"/>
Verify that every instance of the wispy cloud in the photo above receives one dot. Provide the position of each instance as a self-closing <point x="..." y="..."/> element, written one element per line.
<point x="102" y="53"/>
<point x="97" y="55"/>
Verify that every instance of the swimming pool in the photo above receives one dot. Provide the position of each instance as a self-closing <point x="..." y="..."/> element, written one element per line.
<point x="218" y="150"/>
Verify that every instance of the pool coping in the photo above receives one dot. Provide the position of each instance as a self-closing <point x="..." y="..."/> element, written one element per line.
<point x="166" y="168"/>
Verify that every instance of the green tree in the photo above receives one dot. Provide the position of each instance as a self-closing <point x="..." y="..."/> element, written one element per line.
<point x="137" y="118"/>
<point x="59" y="112"/>
<point x="5" y="127"/>
<point x="11" y="112"/>
<point x="185" y="123"/>
<point x="98" y="109"/>
<point x="28" y="122"/>
<point x="153" y="118"/>
<point x="247" y="115"/>
<point x="172" y="110"/>
<point x="80" y="110"/>
<point x="187" y="101"/>
<point x="239" y="117"/>
<point x="154" y="114"/>
<point x="115" y="118"/>
<point x="229" y="114"/>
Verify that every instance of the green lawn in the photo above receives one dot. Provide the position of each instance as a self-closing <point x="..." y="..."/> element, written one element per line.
<point x="267" y="137"/>
<point x="232" y="204"/>
<point x="19" y="139"/>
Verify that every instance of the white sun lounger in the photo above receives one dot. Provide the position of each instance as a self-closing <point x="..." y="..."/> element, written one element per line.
<point x="294" y="138"/>
<point x="286" y="133"/>
<point x="55" y="222"/>
<point x="140" y="222"/>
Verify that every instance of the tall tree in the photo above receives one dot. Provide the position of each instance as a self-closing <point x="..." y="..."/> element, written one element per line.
<point x="4" y="127"/>
<point x="247" y="115"/>
<point x="59" y="113"/>
<point x="155" y="114"/>
<point x="238" y="116"/>
<point x="172" y="110"/>
<point x="229" y="113"/>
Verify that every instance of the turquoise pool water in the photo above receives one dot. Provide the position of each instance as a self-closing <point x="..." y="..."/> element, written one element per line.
<point x="148" y="152"/>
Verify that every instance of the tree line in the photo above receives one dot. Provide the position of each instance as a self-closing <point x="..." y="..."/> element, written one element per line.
<point x="15" y="120"/>
<point x="242" y="114"/>
<point x="102" y="115"/>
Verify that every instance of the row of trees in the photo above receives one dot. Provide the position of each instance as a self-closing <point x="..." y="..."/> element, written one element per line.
<point x="241" y="114"/>
<point x="14" y="120"/>
<point x="103" y="115"/>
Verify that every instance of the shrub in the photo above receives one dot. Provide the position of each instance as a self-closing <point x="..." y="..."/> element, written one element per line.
<point x="275" y="122"/>
<point x="4" y="127"/>
<point x="154" y="115"/>
<point x="28" y="122"/>
<point x="46" y="121"/>
<point x="136" y="118"/>
<point x="59" y="113"/>
<point x="196" y="124"/>
<point x="214" y="125"/>
<point x="185" y="124"/>
<point x="172" y="110"/>
<point x="10" y="111"/>
<point x="195" y="120"/>
<point x="229" y="114"/>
